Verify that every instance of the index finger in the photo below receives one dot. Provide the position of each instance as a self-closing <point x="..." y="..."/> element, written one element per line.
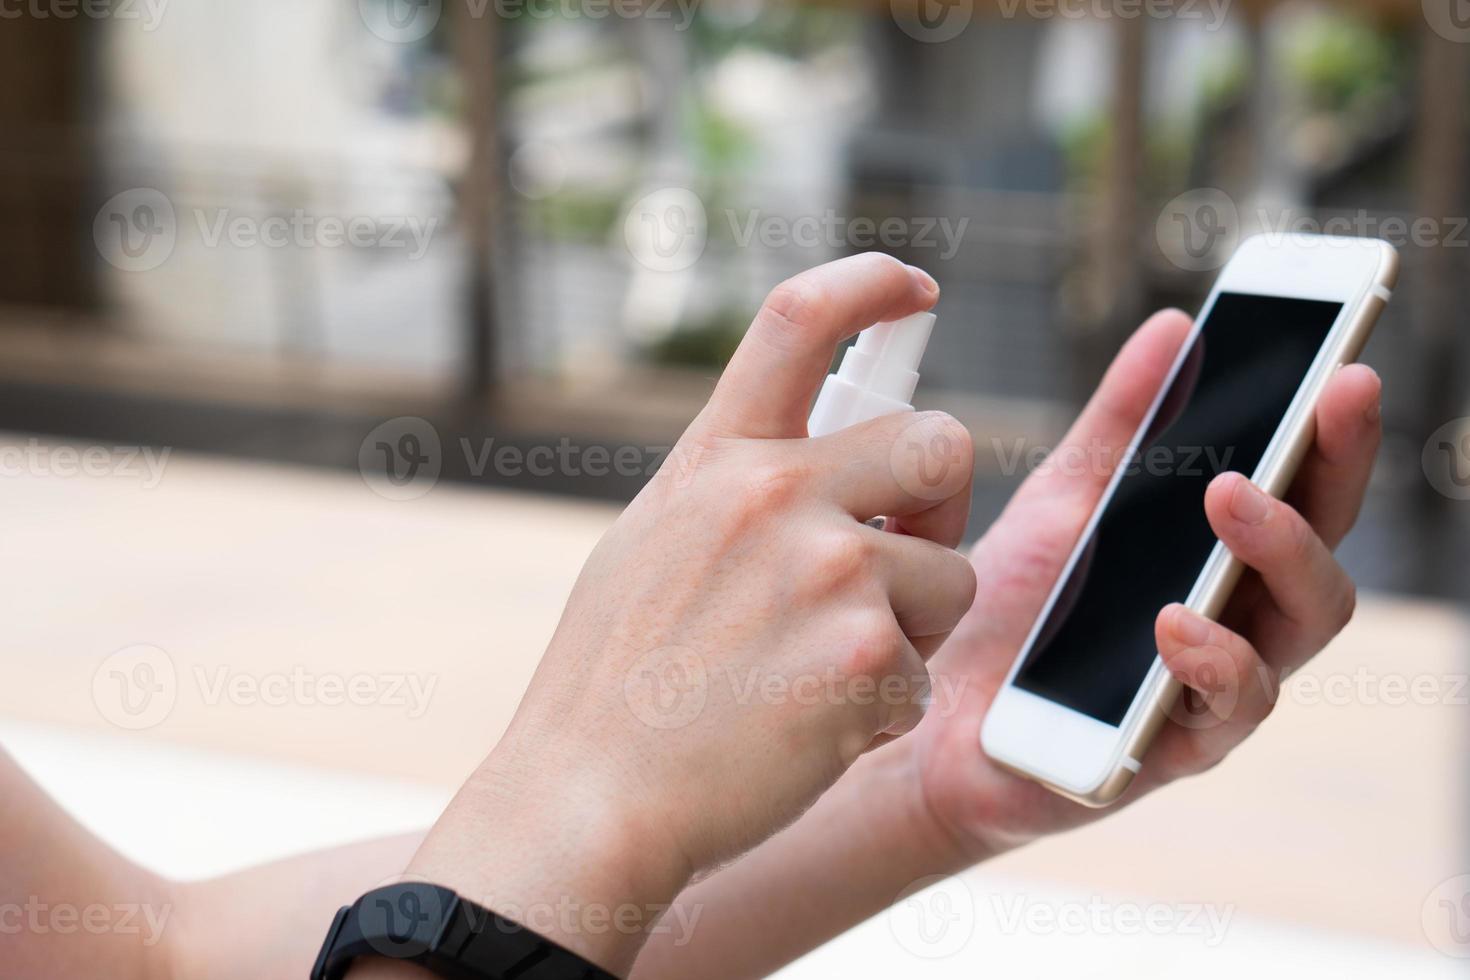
<point x="1111" y="418"/>
<point x="767" y="389"/>
<point x="1329" y="488"/>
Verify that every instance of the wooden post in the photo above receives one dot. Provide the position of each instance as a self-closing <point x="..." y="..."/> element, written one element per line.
<point x="1438" y="280"/>
<point x="476" y="41"/>
<point x="1115" y="285"/>
<point x="47" y="163"/>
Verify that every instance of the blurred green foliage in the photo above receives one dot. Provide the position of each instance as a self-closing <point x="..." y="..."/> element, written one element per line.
<point x="1341" y="61"/>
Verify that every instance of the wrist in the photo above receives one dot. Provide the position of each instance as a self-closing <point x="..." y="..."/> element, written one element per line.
<point x="934" y="845"/>
<point x="571" y="859"/>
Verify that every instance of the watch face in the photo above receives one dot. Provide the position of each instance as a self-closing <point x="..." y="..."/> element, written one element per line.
<point x="401" y="921"/>
<point x="432" y="927"/>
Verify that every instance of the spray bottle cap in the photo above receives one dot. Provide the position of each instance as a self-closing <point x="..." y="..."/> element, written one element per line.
<point x="877" y="376"/>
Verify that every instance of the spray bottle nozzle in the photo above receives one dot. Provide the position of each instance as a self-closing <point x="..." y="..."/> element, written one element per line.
<point x="877" y="376"/>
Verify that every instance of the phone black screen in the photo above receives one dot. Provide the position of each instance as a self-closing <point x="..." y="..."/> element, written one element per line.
<point x="1151" y="543"/>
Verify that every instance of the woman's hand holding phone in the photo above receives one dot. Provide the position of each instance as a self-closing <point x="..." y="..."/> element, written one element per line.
<point x="1292" y="601"/>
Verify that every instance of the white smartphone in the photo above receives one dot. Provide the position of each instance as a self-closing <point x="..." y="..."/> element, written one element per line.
<point x="1088" y="692"/>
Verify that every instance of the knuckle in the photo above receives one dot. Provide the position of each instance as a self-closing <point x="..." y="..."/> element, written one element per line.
<point x="882" y="264"/>
<point x="1345" y="604"/>
<point x="962" y="583"/>
<point x="934" y="456"/>
<point x="943" y="426"/>
<point x="1301" y="538"/>
<point x="763" y="489"/>
<point x="873" y="645"/>
<point x="844" y="557"/>
<point x="792" y="308"/>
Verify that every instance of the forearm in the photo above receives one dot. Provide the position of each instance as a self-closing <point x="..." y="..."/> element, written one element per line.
<point x="70" y="905"/>
<point x="270" y="921"/>
<point x="865" y="842"/>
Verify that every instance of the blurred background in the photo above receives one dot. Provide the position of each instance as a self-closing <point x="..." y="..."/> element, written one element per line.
<point x="333" y="332"/>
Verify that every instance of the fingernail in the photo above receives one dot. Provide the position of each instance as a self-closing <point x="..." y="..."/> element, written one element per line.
<point x="1374" y="411"/>
<point x="1247" y="504"/>
<point x="926" y="282"/>
<point x="1190" y="628"/>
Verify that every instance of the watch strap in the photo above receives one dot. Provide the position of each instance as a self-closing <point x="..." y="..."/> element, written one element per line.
<point x="449" y="936"/>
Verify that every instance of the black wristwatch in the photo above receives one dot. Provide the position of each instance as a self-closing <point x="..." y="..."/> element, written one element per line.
<point x="450" y="937"/>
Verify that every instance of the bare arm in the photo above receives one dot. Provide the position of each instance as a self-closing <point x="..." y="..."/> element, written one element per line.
<point x="70" y="906"/>
<point x="270" y="921"/>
